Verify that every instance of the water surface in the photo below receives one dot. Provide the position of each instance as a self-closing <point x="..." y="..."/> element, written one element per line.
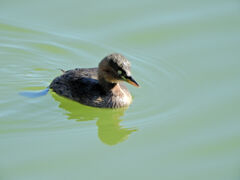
<point x="184" y="120"/>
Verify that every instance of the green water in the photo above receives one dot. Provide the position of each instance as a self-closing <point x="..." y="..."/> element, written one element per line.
<point x="184" y="121"/>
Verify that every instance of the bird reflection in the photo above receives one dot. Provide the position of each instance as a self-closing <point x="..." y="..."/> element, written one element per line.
<point x="108" y="120"/>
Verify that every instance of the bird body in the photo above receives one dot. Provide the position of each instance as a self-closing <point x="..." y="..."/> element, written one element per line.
<point x="97" y="87"/>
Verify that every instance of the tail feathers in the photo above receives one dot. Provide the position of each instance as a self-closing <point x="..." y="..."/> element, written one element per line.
<point x="34" y="94"/>
<point x="62" y="70"/>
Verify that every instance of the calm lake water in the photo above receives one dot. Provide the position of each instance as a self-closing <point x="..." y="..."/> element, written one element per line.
<point x="184" y="121"/>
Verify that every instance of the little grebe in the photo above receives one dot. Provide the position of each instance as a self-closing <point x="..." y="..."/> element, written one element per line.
<point x="98" y="87"/>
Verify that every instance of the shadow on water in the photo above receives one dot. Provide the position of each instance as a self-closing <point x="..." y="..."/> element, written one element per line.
<point x="110" y="131"/>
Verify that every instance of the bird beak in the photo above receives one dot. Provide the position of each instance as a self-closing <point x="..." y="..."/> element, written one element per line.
<point x="131" y="81"/>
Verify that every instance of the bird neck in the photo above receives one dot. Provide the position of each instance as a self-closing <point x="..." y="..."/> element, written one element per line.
<point x="106" y="85"/>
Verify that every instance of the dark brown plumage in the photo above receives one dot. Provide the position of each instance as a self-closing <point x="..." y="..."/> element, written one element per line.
<point x="98" y="87"/>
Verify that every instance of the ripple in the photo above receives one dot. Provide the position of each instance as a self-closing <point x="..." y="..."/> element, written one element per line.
<point x="153" y="102"/>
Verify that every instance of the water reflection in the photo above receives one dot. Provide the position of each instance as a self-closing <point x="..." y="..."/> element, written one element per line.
<point x="108" y="120"/>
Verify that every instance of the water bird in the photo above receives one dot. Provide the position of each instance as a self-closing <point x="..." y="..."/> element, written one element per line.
<point x="98" y="87"/>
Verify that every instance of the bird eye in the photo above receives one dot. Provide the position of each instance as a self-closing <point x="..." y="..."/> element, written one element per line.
<point x="119" y="72"/>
